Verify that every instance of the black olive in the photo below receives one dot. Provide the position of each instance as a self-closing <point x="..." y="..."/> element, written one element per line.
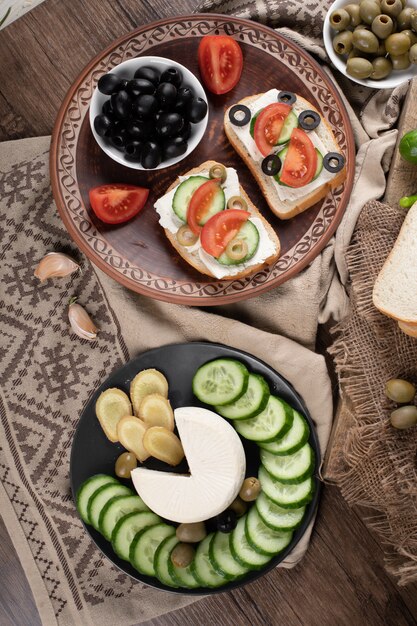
<point x="107" y="108"/>
<point x="118" y="136"/>
<point x="333" y="162"/>
<point x="150" y="73"/>
<point x="138" y="129"/>
<point x="196" y="110"/>
<point x="239" y="115"/>
<point x="184" y="96"/>
<point x="151" y="155"/>
<point x="121" y="104"/>
<point x="174" y="147"/>
<point x="169" y="124"/>
<point x="271" y="165"/>
<point x="172" y="75"/>
<point x="102" y="124"/>
<point x="309" y="120"/>
<point x="145" y="105"/>
<point x="133" y="150"/>
<point x="185" y="131"/>
<point x="287" y="97"/>
<point x="158" y="115"/>
<point x="167" y="94"/>
<point x="226" y="521"/>
<point x="137" y="86"/>
<point x="110" y="83"/>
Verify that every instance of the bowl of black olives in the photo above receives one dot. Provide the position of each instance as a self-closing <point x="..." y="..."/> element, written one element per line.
<point x="148" y="113"/>
<point x="373" y="42"/>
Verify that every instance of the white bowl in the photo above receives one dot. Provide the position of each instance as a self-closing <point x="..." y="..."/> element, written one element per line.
<point x="395" y="78"/>
<point x="126" y="70"/>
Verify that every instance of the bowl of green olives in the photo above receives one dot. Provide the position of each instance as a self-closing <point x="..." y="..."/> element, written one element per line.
<point x="148" y="113"/>
<point x="373" y="42"/>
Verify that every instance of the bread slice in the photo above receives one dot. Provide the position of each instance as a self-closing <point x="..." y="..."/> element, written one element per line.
<point x="408" y="329"/>
<point x="193" y="257"/>
<point x="395" y="289"/>
<point x="285" y="209"/>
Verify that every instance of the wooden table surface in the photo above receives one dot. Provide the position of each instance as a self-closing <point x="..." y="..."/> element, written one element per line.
<point x="341" y="580"/>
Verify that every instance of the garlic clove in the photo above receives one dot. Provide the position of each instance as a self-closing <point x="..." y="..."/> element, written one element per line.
<point x="55" y="264"/>
<point x="81" y="322"/>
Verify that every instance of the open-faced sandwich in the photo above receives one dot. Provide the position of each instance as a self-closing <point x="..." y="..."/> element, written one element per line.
<point x="289" y="148"/>
<point x="214" y="226"/>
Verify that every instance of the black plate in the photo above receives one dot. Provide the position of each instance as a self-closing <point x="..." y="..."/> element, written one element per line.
<point x="93" y="453"/>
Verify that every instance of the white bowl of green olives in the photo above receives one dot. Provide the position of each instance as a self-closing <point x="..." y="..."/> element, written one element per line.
<point x="373" y="42"/>
<point x="148" y="113"/>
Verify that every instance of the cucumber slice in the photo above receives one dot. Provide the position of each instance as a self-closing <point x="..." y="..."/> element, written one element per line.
<point x="183" y="194"/>
<point x="295" y="438"/>
<point x="129" y="526"/>
<point x="290" y="468"/>
<point x="183" y="576"/>
<point x="115" y="509"/>
<point x="250" y="235"/>
<point x="291" y="122"/>
<point x="162" y="559"/>
<point x="286" y="496"/>
<point x="220" y="382"/>
<point x="252" y="124"/>
<point x="99" y="499"/>
<point x="275" y="516"/>
<point x="282" y="156"/>
<point x="242" y="551"/>
<point x="87" y="489"/>
<point x="262" y="538"/>
<point x="202" y="568"/>
<point x="222" y="559"/>
<point x="144" y="545"/>
<point x="319" y="164"/>
<point x="253" y="401"/>
<point x="274" y="421"/>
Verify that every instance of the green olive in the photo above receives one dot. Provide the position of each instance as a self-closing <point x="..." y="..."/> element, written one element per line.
<point x="239" y="507"/>
<point x="368" y="10"/>
<point x="365" y="41"/>
<point x="362" y="27"/>
<point x="218" y="171"/>
<point x="404" y="18"/>
<point x="404" y="417"/>
<point x="382" y="68"/>
<point x="125" y="463"/>
<point x="400" y="390"/>
<point x="353" y="10"/>
<point x="340" y="19"/>
<point x="342" y="43"/>
<point x="400" y="61"/>
<point x="397" y="44"/>
<point x="412" y="55"/>
<point x="391" y="7"/>
<point x="382" y="26"/>
<point x="359" y="68"/>
<point x="250" y="489"/>
<point x="404" y="2"/>
<point x="413" y="20"/>
<point x="237" y="202"/>
<point x="411" y="35"/>
<point x="182" y="555"/>
<point x="191" y="533"/>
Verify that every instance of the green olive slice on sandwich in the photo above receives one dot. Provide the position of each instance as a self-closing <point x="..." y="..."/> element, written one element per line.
<point x="237" y="202"/>
<point x="185" y="236"/>
<point x="218" y="171"/>
<point x="237" y="249"/>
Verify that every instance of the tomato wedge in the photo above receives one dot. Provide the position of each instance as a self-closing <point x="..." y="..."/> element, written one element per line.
<point x="301" y="161"/>
<point x="201" y="203"/>
<point x="117" y="203"/>
<point x="268" y="126"/>
<point x="222" y="228"/>
<point x="220" y="61"/>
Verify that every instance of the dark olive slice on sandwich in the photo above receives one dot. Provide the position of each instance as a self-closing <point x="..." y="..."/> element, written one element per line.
<point x="309" y="120"/>
<point x="333" y="162"/>
<point x="239" y="115"/>
<point x="287" y="97"/>
<point x="271" y="165"/>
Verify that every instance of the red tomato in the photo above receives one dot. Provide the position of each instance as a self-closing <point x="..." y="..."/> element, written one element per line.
<point x="201" y="202"/>
<point x="222" y="228"/>
<point x="220" y="61"/>
<point x="268" y="126"/>
<point x="301" y="161"/>
<point x="117" y="203"/>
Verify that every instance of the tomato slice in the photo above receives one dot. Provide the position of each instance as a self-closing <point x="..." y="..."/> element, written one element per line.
<point x="117" y="203"/>
<point x="301" y="161"/>
<point x="222" y="228"/>
<point x="201" y="203"/>
<point x="220" y="61"/>
<point x="268" y="126"/>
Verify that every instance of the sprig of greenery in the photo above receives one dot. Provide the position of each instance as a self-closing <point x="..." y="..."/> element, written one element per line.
<point x="4" y="18"/>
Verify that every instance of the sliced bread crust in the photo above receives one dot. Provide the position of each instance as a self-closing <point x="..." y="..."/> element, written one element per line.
<point x="285" y="209"/>
<point x="192" y="257"/>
